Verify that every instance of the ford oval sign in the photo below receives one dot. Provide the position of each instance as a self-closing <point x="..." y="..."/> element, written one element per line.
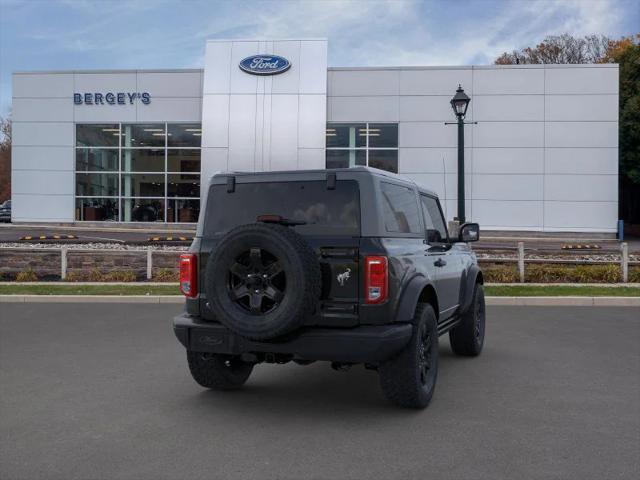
<point x="265" y="64"/>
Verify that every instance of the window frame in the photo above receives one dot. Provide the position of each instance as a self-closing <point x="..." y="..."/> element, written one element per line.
<point x="444" y="221"/>
<point x="366" y="148"/>
<point x="119" y="198"/>
<point x="421" y="233"/>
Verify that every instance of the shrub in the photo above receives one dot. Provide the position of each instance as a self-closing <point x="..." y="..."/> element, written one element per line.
<point x="634" y="274"/>
<point x="540" y="273"/>
<point x="74" y="277"/>
<point x="500" y="273"/>
<point x="121" y="276"/>
<point x="166" y="275"/>
<point x="27" y="275"/>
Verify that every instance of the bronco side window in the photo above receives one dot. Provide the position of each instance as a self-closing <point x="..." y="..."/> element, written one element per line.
<point x="433" y="220"/>
<point x="400" y="209"/>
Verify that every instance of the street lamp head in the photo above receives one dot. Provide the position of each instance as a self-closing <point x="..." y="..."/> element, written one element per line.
<point x="460" y="102"/>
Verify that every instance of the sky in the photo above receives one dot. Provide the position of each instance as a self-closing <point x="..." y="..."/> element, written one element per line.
<point x="114" y="34"/>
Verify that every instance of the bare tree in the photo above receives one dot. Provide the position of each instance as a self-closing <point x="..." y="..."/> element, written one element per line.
<point x="5" y="159"/>
<point x="560" y="49"/>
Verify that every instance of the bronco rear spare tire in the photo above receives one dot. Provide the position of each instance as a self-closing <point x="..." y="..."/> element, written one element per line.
<point x="262" y="280"/>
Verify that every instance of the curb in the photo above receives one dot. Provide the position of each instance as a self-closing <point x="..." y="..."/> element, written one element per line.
<point x="179" y="299"/>
<point x="157" y="299"/>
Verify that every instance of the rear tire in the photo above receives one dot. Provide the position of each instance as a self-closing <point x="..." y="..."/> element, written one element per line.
<point x="218" y="372"/>
<point x="467" y="338"/>
<point x="409" y="379"/>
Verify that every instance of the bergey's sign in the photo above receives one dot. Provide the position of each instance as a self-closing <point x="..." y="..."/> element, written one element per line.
<point x="110" y="98"/>
<point x="265" y="64"/>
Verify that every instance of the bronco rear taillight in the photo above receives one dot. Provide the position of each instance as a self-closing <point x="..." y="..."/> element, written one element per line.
<point x="188" y="275"/>
<point x="376" y="281"/>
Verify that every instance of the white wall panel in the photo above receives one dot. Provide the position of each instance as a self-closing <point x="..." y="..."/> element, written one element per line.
<point x="508" y="160"/>
<point x="433" y="81"/>
<point x="427" y="108"/>
<point x="42" y="208"/>
<point x="43" y="158"/>
<point x="516" y="108"/>
<point x="311" y="158"/>
<point x="507" y="187"/>
<point x="214" y="160"/>
<point x="581" y="216"/>
<point x="581" y="108"/>
<point x="215" y="121"/>
<point x="311" y="121"/>
<point x="42" y="134"/>
<point x="241" y="82"/>
<point x="284" y="132"/>
<point x="217" y="80"/>
<point x="105" y="113"/>
<point x="42" y="183"/>
<point x="171" y="110"/>
<point x="431" y="160"/>
<point x="508" y="80"/>
<point x="242" y="124"/>
<point x="498" y="214"/>
<point x="603" y="188"/>
<point x="170" y="84"/>
<point x="581" y="134"/>
<point x="289" y="81"/>
<point x="602" y="161"/>
<point x="359" y="109"/>
<point x="106" y="82"/>
<point x="42" y="110"/>
<point x="43" y="85"/>
<point x="313" y="67"/>
<point x="505" y="134"/>
<point x="363" y="82"/>
<point x="581" y="80"/>
<point x="431" y="134"/>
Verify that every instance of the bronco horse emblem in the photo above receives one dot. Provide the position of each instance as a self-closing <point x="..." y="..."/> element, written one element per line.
<point x="343" y="277"/>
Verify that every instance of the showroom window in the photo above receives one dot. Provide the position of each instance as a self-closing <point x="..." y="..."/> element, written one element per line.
<point x="138" y="172"/>
<point x="372" y="144"/>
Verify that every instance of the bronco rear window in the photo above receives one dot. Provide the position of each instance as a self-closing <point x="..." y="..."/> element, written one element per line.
<point x="324" y="211"/>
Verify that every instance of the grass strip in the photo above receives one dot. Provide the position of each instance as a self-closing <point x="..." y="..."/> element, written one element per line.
<point x="53" y="289"/>
<point x="172" y="289"/>
<point x="560" y="291"/>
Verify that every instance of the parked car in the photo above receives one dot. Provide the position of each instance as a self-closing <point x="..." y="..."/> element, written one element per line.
<point x="5" y="211"/>
<point x="348" y="265"/>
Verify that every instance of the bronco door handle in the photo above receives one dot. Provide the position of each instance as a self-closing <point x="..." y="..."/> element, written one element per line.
<point x="439" y="263"/>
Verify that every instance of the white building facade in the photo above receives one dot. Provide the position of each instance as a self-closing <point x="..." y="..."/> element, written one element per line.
<point x="135" y="146"/>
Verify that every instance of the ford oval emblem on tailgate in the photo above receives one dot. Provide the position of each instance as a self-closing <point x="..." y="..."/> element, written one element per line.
<point x="265" y="64"/>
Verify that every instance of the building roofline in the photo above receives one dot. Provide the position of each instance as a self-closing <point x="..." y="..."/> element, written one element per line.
<point x="103" y="71"/>
<point x="479" y="67"/>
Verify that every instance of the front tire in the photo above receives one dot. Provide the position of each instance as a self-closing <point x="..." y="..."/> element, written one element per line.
<point x="409" y="379"/>
<point x="467" y="338"/>
<point x="218" y="372"/>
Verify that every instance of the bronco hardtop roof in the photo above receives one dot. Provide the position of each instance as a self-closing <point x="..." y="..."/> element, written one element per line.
<point x="360" y="170"/>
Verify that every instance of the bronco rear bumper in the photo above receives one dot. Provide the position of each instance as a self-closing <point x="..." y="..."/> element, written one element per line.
<point x="363" y="344"/>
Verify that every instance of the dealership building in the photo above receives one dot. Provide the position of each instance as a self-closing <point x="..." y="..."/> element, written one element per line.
<point x="119" y="146"/>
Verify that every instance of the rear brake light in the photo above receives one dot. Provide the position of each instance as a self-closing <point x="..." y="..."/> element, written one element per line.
<point x="376" y="279"/>
<point x="188" y="275"/>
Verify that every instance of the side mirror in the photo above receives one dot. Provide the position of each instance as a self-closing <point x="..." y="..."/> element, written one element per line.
<point x="469" y="232"/>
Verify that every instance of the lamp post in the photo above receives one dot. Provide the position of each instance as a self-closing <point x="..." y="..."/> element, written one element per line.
<point x="460" y="103"/>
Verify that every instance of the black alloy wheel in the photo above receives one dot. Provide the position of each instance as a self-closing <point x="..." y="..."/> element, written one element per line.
<point x="256" y="281"/>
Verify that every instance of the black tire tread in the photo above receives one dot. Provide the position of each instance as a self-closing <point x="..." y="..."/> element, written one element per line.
<point x="397" y="375"/>
<point x="462" y="337"/>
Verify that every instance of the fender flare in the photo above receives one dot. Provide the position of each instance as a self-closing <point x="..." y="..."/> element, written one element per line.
<point x="467" y="285"/>
<point x="409" y="298"/>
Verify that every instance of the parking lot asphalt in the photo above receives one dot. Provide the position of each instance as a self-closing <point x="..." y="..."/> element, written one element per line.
<point x="103" y="392"/>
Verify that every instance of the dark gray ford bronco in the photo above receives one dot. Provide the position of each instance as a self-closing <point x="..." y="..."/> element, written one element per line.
<point x="348" y="266"/>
